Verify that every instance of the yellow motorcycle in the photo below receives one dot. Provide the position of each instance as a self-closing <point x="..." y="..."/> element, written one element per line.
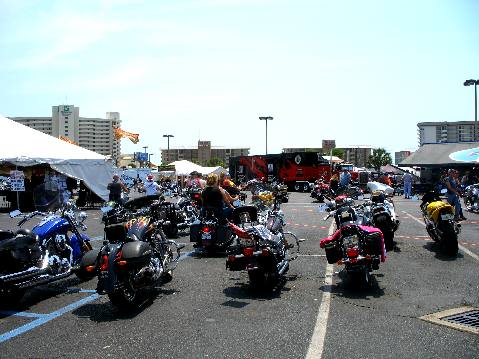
<point x="440" y="225"/>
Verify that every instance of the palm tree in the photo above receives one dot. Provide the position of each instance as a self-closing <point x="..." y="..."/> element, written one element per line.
<point x="379" y="158"/>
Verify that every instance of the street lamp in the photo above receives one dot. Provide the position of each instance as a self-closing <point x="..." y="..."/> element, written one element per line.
<point x="168" y="152"/>
<point x="149" y="159"/>
<point x="144" y="148"/>
<point x="475" y="83"/>
<point x="266" y="119"/>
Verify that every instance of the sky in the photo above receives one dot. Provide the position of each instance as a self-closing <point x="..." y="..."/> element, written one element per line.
<point x="359" y="72"/>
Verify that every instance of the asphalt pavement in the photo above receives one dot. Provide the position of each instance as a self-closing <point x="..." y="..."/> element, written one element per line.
<point x="209" y="312"/>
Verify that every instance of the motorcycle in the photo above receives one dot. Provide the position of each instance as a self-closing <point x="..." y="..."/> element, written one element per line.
<point x="135" y="256"/>
<point x="383" y="216"/>
<point x="359" y="248"/>
<point x="320" y="190"/>
<point x="211" y="234"/>
<point x="471" y="198"/>
<point x="439" y="220"/>
<point x="52" y="250"/>
<point x="261" y="250"/>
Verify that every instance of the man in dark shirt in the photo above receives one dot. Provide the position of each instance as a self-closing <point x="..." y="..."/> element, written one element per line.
<point x="115" y="188"/>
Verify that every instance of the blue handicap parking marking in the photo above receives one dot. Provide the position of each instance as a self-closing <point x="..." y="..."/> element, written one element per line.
<point x="40" y="319"/>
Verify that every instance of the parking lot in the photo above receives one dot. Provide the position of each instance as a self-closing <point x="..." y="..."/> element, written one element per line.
<point x="207" y="311"/>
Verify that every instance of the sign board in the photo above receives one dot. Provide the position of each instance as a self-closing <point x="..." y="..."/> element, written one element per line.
<point x="17" y="181"/>
<point x="141" y="156"/>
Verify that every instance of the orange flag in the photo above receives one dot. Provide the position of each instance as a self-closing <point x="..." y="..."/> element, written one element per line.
<point x="66" y="139"/>
<point x="119" y="133"/>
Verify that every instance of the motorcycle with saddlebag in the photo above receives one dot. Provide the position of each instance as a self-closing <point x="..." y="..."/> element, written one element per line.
<point x="52" y="250"/>
<point x="263" y="251"/>
<point x="135" y="256"/>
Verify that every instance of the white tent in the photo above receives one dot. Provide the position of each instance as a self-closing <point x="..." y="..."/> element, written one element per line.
<point x="24" y="146"/>
<point x="184" y="168"/>
<point x="217" y="170"/>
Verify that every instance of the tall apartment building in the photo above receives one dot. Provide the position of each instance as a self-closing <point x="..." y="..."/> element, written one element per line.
<point x="202" y="154"/>
<point x="357" y="155"/>
<point x="95" y="134"/>
<point x="440" y="132"/>
<point x="401" y="156"/>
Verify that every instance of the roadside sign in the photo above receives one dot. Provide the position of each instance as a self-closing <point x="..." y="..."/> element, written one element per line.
<point x="17" y="181"/>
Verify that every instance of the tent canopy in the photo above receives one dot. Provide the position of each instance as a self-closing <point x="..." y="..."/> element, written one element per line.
<point x="443" y="155"/>
<point x="24" y="146"/>
<point x="184" y="168"/>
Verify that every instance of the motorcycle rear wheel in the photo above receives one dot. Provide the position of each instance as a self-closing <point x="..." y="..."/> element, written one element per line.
<point x="362" y="279"/>
<point x="125" y="297"/>
<point x="449" y="241"/>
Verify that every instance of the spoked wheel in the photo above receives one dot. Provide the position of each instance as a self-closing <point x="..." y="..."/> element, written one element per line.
<point x="126" y="296"/>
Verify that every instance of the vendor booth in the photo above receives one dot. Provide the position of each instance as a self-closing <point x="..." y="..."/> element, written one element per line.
<point x="28" y="156"/>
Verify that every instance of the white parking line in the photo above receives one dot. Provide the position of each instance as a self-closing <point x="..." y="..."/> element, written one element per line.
<point x="463" y="249"/>
<point x="316" y="345"/>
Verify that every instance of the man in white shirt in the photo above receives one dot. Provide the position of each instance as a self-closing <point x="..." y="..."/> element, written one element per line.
<point x="151" y="187"/>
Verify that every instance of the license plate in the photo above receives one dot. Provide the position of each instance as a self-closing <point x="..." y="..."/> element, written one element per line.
<point x="446" y="217"/>
<point x="206" y="236"/>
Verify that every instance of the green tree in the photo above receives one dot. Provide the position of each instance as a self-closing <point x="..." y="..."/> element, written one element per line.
<point x="338" y="152"/>
<point x="214" y="162"/>
<point x="379" y="158"/>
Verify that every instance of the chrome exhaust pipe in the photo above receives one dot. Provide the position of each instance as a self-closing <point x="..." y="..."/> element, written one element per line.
<point x="283" y="267"/>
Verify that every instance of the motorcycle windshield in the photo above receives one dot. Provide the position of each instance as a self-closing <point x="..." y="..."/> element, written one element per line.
<point x="49" y="196"/>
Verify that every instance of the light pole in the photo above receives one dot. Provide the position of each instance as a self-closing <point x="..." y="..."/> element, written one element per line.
<point x="149" y="159"/>
<point x="144" y="148"/>
<point x="168" y="152"/>
<point x="475" y="83"/>
<point x="266" y="119"/>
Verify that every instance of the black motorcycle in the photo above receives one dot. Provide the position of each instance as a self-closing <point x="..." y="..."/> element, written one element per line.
<point x="260" y="249"/>
<point x="135" y="256"/>
<point x="210" y="232"/>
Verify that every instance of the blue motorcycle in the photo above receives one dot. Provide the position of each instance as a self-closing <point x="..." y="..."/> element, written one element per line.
<point x="53" y="249"/>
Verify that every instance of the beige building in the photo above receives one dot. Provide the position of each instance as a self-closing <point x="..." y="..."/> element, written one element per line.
<point x="443" y="132"/>
<point x="95" y="134"/>
<point x="401" y="156"/>
<point x="202" y="154"/>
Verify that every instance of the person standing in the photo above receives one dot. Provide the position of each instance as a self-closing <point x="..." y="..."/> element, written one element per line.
<point x="116" y="187"/>
<point x="407" y="182"/>
<point x="345" y="178"/>
<point x="453" y="194"/>
<point x="150" y="186"/>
